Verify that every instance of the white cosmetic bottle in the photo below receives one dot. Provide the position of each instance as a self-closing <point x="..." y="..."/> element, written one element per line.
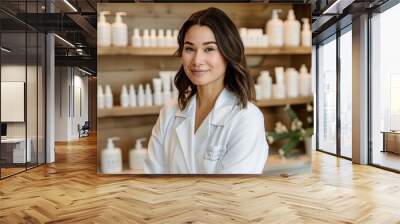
<point x="146" y="38"/>
<point x="124" y="97"/>
<point x="306" y="35"/>
<point x="265" y="82"/>
<point x="119" y="31"/>
<point x="103" y="31"/>
<point x="169" y="40"/>
<point x="100" y="97"/>
<point x="275" y="30"/>
<point x="108" y="97"/>
<point x="292" y="30"/>
<point x="166" y="84"/>
<point x="141" y="97"/>
<point x="153" y="38"/>
<point x="158" y="99"/>
<point x="175" y="38"/>
<point x="137" y="156"/>
<point x="136" y="39"/>
<point x="292" y="84"/>
<point x="111" y="158"/>
<point x="304" y="82"/>
<point x="160" y="38"/>
<point x="132" y="96"/>
<point x="149" y="96"/>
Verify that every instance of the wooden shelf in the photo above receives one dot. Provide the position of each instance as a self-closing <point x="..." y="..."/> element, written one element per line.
<point x="151" y="51"/>
<point x="283" y="102"/>
<point x="130" y="111"/>
<point x="154" y="110"/>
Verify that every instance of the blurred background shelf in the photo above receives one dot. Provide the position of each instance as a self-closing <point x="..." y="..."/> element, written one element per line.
<point x="151" y="51"/>
<point x="283" y="102"/>
<point x="118" y="111"/>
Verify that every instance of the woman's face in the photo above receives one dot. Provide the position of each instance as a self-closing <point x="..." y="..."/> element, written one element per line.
<point x="201" y="59"/>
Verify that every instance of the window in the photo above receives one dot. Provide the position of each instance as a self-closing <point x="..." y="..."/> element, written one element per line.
<point x="385" y="89"/>
<point x="327" y="95"/>
<point x="346" y="92"/>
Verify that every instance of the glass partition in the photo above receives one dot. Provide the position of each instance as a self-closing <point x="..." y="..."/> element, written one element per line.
<point x="327" y="95"/>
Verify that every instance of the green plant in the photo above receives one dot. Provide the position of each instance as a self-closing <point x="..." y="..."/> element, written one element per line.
<point x="295" y="135"/>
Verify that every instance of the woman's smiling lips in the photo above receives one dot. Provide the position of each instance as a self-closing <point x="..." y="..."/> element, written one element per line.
<point x="198" y="72"/>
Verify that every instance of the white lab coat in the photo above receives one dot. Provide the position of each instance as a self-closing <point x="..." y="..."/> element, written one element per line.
<point x="234" y="142"/>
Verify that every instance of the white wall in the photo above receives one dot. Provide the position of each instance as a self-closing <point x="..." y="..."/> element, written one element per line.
<point x="69" y="82"/>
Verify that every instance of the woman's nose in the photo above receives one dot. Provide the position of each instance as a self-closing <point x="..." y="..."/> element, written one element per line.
<point x="198" y="58"/>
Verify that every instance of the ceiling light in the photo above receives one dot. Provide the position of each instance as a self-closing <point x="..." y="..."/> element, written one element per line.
<point x="84" y="71"/>
<point x="5" y="50"/>
<point x="65" y="41"/>
<point x="70" y="5"/>
<point x="337" y="7"/>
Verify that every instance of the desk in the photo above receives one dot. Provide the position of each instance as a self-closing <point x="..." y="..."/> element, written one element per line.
<point x="391" y="141"/>
<point x="17" y="147"/>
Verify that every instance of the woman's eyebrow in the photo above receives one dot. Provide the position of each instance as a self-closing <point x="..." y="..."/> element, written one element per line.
<point x="205" y="43"/>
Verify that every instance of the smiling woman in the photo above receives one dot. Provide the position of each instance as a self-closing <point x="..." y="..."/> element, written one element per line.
<point x="213" y="128"/>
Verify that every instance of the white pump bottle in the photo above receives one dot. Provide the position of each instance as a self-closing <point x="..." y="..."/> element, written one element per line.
<point x="306" y="35"/>
<point x="111" y="158"/>
<point x="137" y="156"/>
<point x="124" y="97"/>
<point x="103" y="31"/>
<point x="108" y="97"/>
<point x="119" y="31"/>
<point x="292" y="30"/>
<point x="275" y="29"/>
<point x="100" y="97"/>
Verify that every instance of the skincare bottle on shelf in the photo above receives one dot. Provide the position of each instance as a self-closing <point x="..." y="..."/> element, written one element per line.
<point x="174" y="89"/>
<point x="137" y="156"/>
<point x="141" y="97"/>
<point x="153" y="38"/>
<point x="279" y="75"/>
<point x="160" y="38"/>
<point x="124" y="98"/>
<point x="275" y="29"/>
<point x="158" y="98"/>
<point x="149" y="96"/>
<point x="265" y="82"/>
<point x="292" y="30"/>
<point x="175" y="38"/>
<point x="136" y="39"/>
<point x="306" y="35"/>
<point x="304" y="82"/>
<point x="111" y="158"/>
<point x="132" y="96"/>
<point x="146" y="38"/>
<point x="119" y="31"/>
<point x="100" y="97"/>
<point x="278" y="91"/>
<point x="257" y="87"/>
<point x="169" y="40"/>
<point x="292" y="82"/>
<point x="108" y="97"/>
<point x="103" y="31"/>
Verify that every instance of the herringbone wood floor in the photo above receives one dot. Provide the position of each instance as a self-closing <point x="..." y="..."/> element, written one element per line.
<point x="70" y="191"/>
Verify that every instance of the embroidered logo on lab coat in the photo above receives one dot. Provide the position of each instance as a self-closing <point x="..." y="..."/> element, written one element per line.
<point x="214" y="153"/>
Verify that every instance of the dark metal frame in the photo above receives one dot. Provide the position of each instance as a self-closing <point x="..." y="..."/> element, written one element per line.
<point x="339" y="32"/>
<point x="37" y="164"/>
<point x="389" y="4"/>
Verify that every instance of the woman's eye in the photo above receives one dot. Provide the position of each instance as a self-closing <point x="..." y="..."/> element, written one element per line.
<point x="209" y="49"/>
<point x="188" y="49"/>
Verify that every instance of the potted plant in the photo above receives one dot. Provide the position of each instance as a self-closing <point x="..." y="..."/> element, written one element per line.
<point x="294" y="135"/>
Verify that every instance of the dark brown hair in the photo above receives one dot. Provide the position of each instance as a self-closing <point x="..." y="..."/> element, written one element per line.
<point x="237" y="78"/>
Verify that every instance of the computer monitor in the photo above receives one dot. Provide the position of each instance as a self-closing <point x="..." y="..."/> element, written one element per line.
<point x="3" y="129"/>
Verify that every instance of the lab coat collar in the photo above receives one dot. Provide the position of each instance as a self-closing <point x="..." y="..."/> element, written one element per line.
<point x="224" y="104"/>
